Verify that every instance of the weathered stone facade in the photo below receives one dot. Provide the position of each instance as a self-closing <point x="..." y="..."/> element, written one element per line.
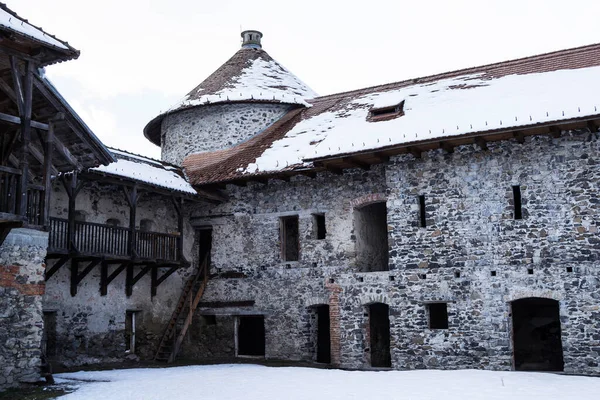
<point x="91" y="328"/>
<point x="472" y="255"/>
<point x="214" y="127"/>
<point x="21" y="289"/>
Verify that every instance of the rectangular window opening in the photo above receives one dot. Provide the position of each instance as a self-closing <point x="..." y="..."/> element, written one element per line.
<point x="422" y="213"/>
<point x="389" y="112"/>
<point x="209" y="319"/>
<point x="438" y="315"/>
<point x="290" y="240"/>
<point x="517" y="202"/>
<point x="130" y="328"/>
<point x="319" y="231"/>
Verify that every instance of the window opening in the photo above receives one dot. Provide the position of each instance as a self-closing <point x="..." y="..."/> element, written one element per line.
<point x="113" y="222"/>
<point x="370" y="226"/>
<point x="438" y="315"/>
<point x="204" y="244"/>
<point x="130" y="330"/>
<point x="290" y="241"/>
<point x="517" y="202"/>
<point x="209" y="319"/>
<point x="422" y="212"/>
<point x="49" y="334"/>
<point x="379" y="113"/>
<point x="319" y="230"/>
<point x="323" y="335"/>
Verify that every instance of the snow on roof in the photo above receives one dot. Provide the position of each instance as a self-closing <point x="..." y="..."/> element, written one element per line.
<point x="250" y="75"/>
<point x="147" y="170"/>
<point x="472" y="103"/>
<point x="14" y="23"/>
<point x="262" y="79"/>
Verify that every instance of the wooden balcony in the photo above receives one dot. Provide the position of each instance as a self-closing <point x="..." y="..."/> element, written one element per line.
<point x="101" y="240"/>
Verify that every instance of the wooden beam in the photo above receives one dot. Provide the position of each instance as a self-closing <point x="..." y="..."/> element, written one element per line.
<point x="481" y="142"/>
<point x="178" y="203"/>
<point x="330" y="168"/>
<point x="382" y="158"/>
<point x="16" y="76"/>
<point x="592" y="126"/>
<point x="74" y="275"/>
<point x="415" y="151"/>
<point x="140" y="274"/>
<point x="26" y="111"/>
<point x="519" y="137"/>
<point x="355" y="162"/>
<point x="6" y="89"/>
<point x="12" y="119"/>
<point x="132" y="198"/>
<point x="310" y="174"/>
<point x="54" y="269"/>
<point x="106" y="279"/>
<point x="47" y="175"/>
<point x="447" y="147"/>
<point x="156" y="280"/>
<point x="87" y="270"/>
<point x="10" y="170"/>
<point x="554" y="132"/>
<point x="64" y="152"/>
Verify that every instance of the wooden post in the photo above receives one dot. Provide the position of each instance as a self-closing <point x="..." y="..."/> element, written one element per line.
<point x="103" y="278"/>
<point x="72" y="190"/>
<point x="47" y="175"/>
<point x="74" y="275"/>
<point x="178" y="203"/>
<point x="129" y="280"/>
<point x="25" y="138"/>
<point x="132" y="198"/>
<point x="153" y="280"/>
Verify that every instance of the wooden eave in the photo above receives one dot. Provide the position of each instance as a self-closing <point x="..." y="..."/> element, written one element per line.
<point x="364" y="159"/>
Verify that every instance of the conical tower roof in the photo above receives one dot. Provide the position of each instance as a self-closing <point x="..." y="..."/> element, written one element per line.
<point x="251" y="75"/>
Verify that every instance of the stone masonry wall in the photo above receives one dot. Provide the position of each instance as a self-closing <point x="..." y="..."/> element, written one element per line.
<point x="90" y="328"/>
<point x="21" y="289"/>
<point x="214" y="127"/>
<point x="472" y="254"/>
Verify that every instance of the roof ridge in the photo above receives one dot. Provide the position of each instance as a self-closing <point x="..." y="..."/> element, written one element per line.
<point x="462" y="71"/>
<point x="164" y="163"/>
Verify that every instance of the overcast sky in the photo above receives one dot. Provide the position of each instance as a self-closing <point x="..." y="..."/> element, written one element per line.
<point x="138" y="58"/>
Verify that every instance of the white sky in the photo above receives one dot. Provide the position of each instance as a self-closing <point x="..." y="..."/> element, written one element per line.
<point x="140" y="57"/>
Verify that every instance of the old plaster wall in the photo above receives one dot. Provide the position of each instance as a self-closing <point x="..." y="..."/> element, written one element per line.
<point x="214" y="127"/>
<point x="91" y="327"/>
<point x="21" y="289"/>
<point x="472" y="254"/>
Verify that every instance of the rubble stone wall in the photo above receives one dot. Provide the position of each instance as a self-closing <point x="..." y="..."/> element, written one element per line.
<point x="214" y="127"/>
<point x="21" y="320"/>
<point x="472" y="254"/>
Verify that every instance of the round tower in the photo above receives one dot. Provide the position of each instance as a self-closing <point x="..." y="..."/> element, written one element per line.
<point x="239" y="100"/>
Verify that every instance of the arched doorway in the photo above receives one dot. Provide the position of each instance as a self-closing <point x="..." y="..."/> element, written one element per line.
<point x="379" y="335"/>
<point x="537" y="343"/>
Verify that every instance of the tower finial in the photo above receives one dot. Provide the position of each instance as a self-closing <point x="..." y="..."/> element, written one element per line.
<point x="251" y="39"/>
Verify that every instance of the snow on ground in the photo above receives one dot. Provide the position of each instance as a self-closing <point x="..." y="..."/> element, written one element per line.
<point x="254" y="382"/>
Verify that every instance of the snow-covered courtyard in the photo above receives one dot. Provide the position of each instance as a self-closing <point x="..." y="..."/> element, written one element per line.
<point x="254" y="382"/>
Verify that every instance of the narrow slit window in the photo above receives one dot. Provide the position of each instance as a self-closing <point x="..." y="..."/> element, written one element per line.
<point x="438" y="315"/>
<point x="422" y="213"/>
<point x="319" y="231"/>
<point x="517" y="202"/>
<point x="290" y="244"/>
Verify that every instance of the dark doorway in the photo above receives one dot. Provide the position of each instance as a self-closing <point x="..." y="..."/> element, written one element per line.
<point x="370" y="227"/>
<point x="323" y="338"/>
<point x="379" y="329"/>
<point x="49" y="338"/>
<point x="251" y="335"/>
<point x="290" y="239"/>
<point x="204" y="243"/>
<point x="536" y="335"/>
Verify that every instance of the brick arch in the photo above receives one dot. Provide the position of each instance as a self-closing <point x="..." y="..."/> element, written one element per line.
<point x="368" y="299"/>
<point x="368" y="199"/>
<point x="317" y="301"/>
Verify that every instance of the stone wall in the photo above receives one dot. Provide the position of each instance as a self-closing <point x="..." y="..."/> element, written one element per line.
<point x="21" y="289"/>
<point x="472" y="254"/>
<point x="90" y="328"/>
<point x="214" y="127"/>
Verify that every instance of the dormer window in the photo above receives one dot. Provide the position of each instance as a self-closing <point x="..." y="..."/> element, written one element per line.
<point x="386" y="113"/>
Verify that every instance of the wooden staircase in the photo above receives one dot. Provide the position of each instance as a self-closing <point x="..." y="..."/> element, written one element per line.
<point x="182" y="315"/>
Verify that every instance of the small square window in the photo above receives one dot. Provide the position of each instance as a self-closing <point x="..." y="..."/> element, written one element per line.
<point x="438" y="315"/>
<point x="319" y="230"/>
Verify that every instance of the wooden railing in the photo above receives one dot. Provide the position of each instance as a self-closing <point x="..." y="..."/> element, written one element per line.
<point x="10" y="180"/>
<point x="94" y="238"/>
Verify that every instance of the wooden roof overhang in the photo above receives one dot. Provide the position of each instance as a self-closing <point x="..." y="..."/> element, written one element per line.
<point x="365" y="159"/>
